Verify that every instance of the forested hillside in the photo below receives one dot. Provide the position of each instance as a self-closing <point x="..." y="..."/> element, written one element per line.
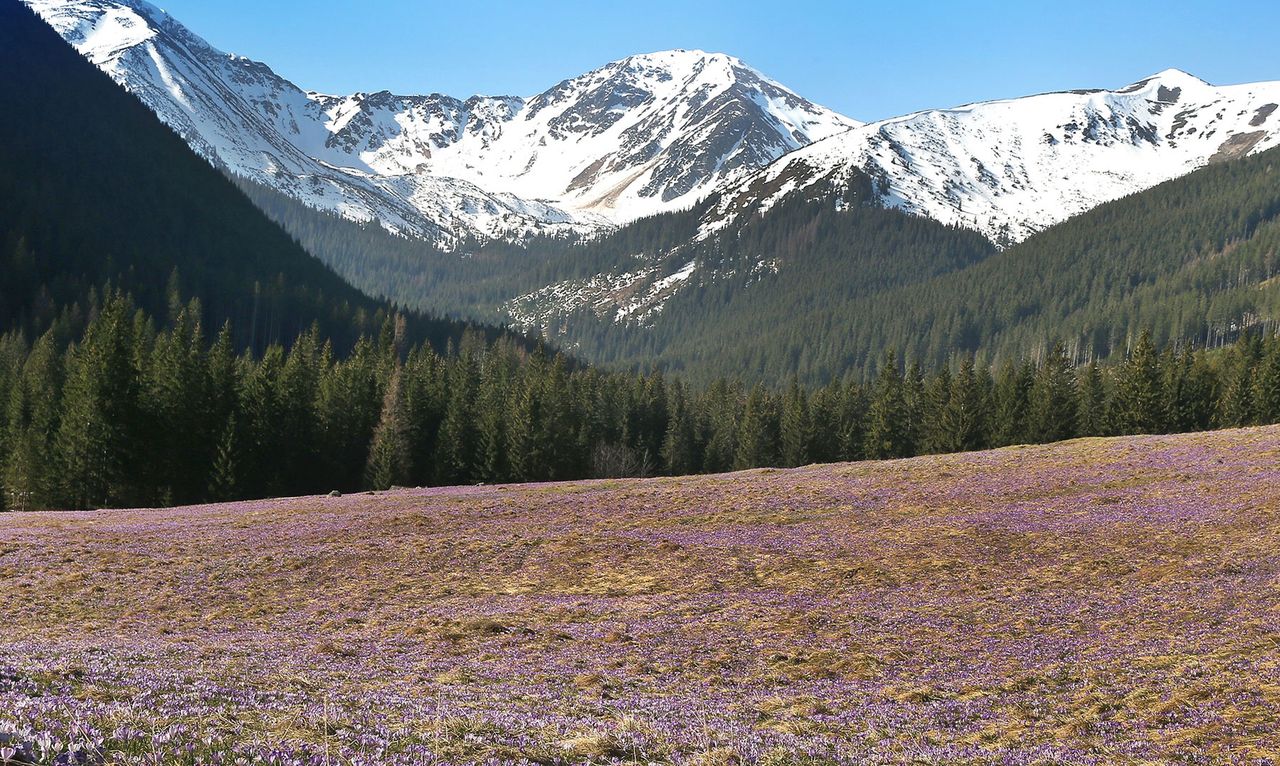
<point x="94" y="190"/>
<point x="821" y="286"/>
<point x="1192" y="259"/>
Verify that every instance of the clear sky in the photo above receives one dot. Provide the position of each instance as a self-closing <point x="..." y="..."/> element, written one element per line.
<point x="869" y="60"/>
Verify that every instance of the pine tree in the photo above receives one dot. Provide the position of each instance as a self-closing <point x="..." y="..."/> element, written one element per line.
<point x="495" y="392"/>
<point x="224" y="476"/>
<point x="1268" y="393"/>
<point x="678" y="446"/>
<point x="964" y="416"/>
<point x="1053" y="398"/>
<point x="796" y="426"/>
<point x="756" y="438"/>
<point x="98" y="436"/>
<point x="456" y="460"/>
<point x="1091" y="410"/>
<point x="937" y="397"/>
<point x="1012" y="404"/>
<point x="390" y="456"/>
<point x="888" y="417"/>
<point x="29" y="470"/>
<point x="1238" y="407"/>
<point x="1139" y="397"/>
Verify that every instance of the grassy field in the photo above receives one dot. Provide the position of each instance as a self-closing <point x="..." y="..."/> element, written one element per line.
<point x="1095" y="602"/>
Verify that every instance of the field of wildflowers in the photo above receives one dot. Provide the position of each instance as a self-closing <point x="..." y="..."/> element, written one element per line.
<point x="1095" y="602"/>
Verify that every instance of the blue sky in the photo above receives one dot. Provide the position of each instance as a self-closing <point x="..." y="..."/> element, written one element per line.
<point x="868" y="60"/>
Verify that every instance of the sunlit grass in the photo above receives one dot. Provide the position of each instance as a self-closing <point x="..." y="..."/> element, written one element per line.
<point x="1096" y="602"/>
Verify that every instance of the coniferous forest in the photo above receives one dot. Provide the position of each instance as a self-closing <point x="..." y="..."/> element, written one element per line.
<point x="132" y="413"/>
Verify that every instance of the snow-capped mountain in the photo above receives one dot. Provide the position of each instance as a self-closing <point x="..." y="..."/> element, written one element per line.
<point x="638" y="136"/>
<point x="1011" y="168"/>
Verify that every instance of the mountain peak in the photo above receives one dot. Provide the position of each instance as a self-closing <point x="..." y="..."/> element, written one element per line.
<point x="649" y="133"/>
<point x="1168" y="78"/>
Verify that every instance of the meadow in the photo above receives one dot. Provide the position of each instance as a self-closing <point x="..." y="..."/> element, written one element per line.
<point x="1100" y="601"/>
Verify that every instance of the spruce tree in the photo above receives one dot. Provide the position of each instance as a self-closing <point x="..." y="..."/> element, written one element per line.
<point x="1238" y="407"/>
<point x="390" y="455"/>
<point x="888" y="417"/>
<point x="853" y="422"/>
<point x="495" y="391"/>
<point x="722" y="411"/>
<point x="937" y="397"/>
<point x="13" y="352"/>
<point x="1268" y="385"/>
<point x="224" y="475"/>
<point x="913" y="395"/>
<point x="1012" y="396"/>
<point x="796" y="426"/>
<point x="1139" y="398"/>
<point x="177" y="402"/>
<point x="29" y="470"/>
<point x="678" y="446"/>
<point x="1053" y="398"/>
<point x="756" y="437"/>
<point x="98" y="435"/>
<point x="425" y="397"/>
<point x="964" y="416"/>
<point x="456" y="451"/>
<point x="1091" y="409"/>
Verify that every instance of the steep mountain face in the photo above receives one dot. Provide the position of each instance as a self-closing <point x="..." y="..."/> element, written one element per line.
<point x="638" y="136"/>
<point x="95" y="191"/>
<point x="1011" y="168"/>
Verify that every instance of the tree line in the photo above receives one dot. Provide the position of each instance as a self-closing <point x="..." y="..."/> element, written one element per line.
<point x="128" y="414"/>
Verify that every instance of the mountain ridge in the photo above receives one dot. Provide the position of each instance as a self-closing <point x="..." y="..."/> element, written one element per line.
<point x="645" y="134"/>
<point x="1011" y="167"/>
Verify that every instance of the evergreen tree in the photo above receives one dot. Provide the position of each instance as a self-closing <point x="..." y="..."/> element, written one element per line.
<point x="1139" y="397"/>
<point x="495" y="392"/>
<point x="796" y="426"/>
<point x="425" y="397"/>
<point x="390" y="455"/>
<point x="964" y="416"/>
<point x="937" y="398"/>
<point x="1053" y="398"/>
<point x="1268" y="393"/>
<point x="1238" y="406"/>
<point x="888" y="419"/>
<point x="177" y="402"/>
<point x="679" y="450"/>
<point x="456" y="459"/>
<point x="721" y="405"/>
<point x="1091" y="412"/>
<point x="756" y="438"/>
<point x="28" y="467"/>
<point x="98" y="435"/>
<point x="1013" y="404"/>
<point x="853" y="423"/>
<point x="261" y="443"/>
<point x="913" y="395"/>
<point x="224" y="476"/>
<point x="12" y="353"/>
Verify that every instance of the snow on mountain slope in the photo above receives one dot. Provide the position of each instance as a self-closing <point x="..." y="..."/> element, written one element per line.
<point x="639" y="136"/>
<point x="1011" y="168"/>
